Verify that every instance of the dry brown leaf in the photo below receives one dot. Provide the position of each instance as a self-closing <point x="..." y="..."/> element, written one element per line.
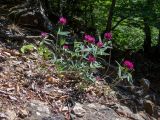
<point x="63" y="98"/>
<point x="8" y="85"/>
<point x="17" y="88"/>
<point x="7" y="53"/>
<point x="52" y="80"/>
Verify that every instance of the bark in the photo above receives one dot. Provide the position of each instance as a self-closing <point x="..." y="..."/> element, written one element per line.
<point x="157" y="53"/>
<point x="159" y="38"/>
<point x="147" y="40"/>
<point x="110" y="16"/>
<point x="148" y="50"/>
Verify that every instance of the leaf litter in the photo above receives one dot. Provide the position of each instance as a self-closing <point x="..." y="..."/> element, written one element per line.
<point x="28" y="77"/>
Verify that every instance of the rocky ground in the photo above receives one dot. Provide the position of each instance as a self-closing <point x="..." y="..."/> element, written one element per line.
<point x="32" y="89"/>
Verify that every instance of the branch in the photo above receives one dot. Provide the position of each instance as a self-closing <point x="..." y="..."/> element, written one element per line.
<point x="118" y="23"/>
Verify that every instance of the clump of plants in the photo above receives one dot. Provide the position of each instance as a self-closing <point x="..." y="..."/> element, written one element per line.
<point x="125" y="72"/>
<point x="80" y="56"/>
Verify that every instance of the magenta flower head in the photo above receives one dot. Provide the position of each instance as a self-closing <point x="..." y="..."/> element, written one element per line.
<point x="108" y="35"/>
<point x="91" y="58"/>
<point x="65" y="46"/>
<point x="44" y="34"/>
<point x="62" y="20"/>
<point x="128" y="64"/>
<point x="98" y="78"/>
<point x="89" y="38"/>
<point x="100" y="44"/>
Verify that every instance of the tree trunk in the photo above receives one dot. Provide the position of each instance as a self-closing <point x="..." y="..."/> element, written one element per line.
<point x="159" y="38"/>
<point x="147" y="40"/>
<point x="110" y="16"/>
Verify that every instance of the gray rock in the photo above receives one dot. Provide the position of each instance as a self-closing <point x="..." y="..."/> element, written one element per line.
<point x="65" y="109"/>
<point x="78" y="110"/>
<point x="41" y="111"/>
<point x="11" y="115"/>
<point x="38" y="109"/>
<point x="56" y="117"/>
<point x="3" y="116"/>
<point x="39" y="106"/>
<point x="125" y="111"/>
<point x="95" y="111"/>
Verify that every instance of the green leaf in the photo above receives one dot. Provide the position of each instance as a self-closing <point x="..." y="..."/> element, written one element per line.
<point x="62" y="42"/>
<point x="27" y="48"/>
<point x="63" y="33"/>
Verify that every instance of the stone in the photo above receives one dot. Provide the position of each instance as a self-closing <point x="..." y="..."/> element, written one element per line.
<point x="65" y="109"/>
<point x="137" y="117"/>
<point x="149" y="107"/>
<point x="39" y="106"/>
<point x="96" y="111"/>
<point x="113" y="93"/>
<point x="38" y="110"/>
<point x="11" y="115"/>
<point x="23" y="113"/>
<point x="125" y="111"/>
<point x="55" y="117"/>
<point x="3" y="116"/>
<point x="92" y="105"/>
<point x="96" y="106"/>
<point x="78" y="110"/>
<point x="144" y="115"/>
<point x="145" y="84"/>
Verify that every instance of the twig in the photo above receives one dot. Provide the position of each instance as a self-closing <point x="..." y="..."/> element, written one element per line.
<point x="6" y="93"/>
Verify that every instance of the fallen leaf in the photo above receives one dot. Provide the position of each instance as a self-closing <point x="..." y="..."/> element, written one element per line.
<point x="52" y="80"/>
<point x="17" y="88"/>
